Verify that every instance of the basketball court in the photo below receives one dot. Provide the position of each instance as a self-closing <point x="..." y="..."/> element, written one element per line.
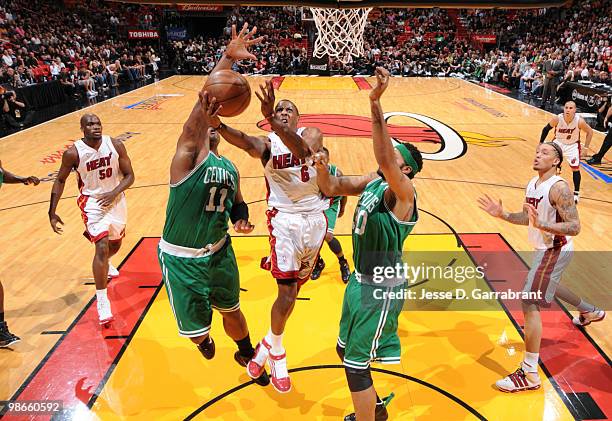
<point x="476" y="141"/>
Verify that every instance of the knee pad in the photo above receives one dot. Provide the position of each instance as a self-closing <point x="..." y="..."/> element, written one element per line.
<point x="358" y="380"/>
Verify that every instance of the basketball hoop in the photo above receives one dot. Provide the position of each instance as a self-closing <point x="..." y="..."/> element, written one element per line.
<point x="339" y="31"/>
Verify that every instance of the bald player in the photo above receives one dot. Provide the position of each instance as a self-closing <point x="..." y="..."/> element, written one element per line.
<point x="567" y="135"/>
<point x="104" y="172"/>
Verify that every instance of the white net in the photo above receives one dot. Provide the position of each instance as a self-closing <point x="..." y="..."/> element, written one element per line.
<point x="340" y="32"/>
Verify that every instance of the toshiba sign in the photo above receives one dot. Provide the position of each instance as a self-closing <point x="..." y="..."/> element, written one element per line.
<point x="142" y="34"/>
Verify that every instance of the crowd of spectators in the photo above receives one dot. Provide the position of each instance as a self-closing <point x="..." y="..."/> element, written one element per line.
<point x="579" y="37"/>
<point x="85" y="46"/>
<point x="424" y="42"/>
<point x="283" y="51"/>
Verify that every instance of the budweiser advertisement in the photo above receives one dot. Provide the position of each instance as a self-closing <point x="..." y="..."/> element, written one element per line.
<point x="198" y="8"/>
<point x="143" y="34"/>
<point x="485" y="38"/>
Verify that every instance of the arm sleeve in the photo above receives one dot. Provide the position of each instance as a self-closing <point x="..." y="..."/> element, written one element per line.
<point x="545" y="131"/>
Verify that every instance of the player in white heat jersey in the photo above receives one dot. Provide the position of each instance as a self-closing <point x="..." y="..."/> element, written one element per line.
<point x="567" y="135"/>
<point x="550" y="212"/>
<point x="104" y="172"/>
<point x="296" y="220"/>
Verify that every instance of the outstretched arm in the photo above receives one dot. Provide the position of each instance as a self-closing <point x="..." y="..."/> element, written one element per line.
<point x="193" y="138"/>
<point x="384" y="152"/>
<point x="496" y="209"/>
<point x="10" y="178"/>
<point x="204" y="113"/>
<point x="70" y="160"/>
<point x="256" y="146"/>
<point x="332" y="186"/>
<point x="296" y="144"/>
<point x="562" y="200"/>
<point x="237" y="49"/>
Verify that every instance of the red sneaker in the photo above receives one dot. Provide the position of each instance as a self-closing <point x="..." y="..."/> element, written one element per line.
<point x="256" y="366"/>
<point x="517" y="382"/>
<point x="279" y="374"/>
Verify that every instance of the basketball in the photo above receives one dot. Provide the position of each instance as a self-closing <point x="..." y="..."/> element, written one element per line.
<point x="231" y="90"/>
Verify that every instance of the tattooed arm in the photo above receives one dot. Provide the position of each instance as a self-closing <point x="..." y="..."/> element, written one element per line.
<point x="518" y="218"/>
<point x="496" y="209"/>
<point x="562" y="200"/>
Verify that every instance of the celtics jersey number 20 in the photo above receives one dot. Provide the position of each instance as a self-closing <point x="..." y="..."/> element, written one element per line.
<point x="378" y="235"/>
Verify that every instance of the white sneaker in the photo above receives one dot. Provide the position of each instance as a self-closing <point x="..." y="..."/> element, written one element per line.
<point x="576" y="198"/>
<point x="105" y="314"/>
<point x="588" y="317"/>
<point x="112" y="271"/>
<point x="518" y="382"/>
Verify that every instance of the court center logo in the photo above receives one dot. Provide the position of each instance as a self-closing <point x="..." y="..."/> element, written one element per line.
<point x="452" y="144"/>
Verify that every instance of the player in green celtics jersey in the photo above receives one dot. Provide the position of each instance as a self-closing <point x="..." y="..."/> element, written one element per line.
<point x="6" y="337"/>
<point x="198" y="265"/>
<point x="386" y="213"/>
<point x="335" y="211"/>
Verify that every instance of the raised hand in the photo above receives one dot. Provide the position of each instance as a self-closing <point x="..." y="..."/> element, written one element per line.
<point x="238" y="48"/>
<point x="267" y="99"/>
<point x="382" y="81"/>
<point x="532" y="212"/>
<point x="490" y="206"/>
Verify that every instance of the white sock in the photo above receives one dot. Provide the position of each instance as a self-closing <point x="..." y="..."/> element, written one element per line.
<point x="276" y="343"/>
<point x="101" y="294"/>
<point x="530" y="362"/>
<point x="585" y="307"/>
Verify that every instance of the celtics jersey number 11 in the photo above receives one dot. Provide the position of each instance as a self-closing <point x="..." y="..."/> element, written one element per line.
<point x="199" y="205"/>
